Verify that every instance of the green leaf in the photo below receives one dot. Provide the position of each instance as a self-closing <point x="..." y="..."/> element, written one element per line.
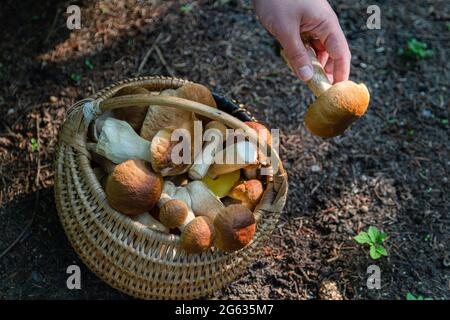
<point x="89" y="64"/>
<point x="374" y="254"/>
<point x="382" y="237"/>
<point x="410" y="296"/>
<point x="187" y="8"/>
<point x="373" y="233"/>
<point x="75" y="77"/>
<point x="382" y="251"/>
<point x="33" y="144"/>
<point x="362" y="238"/>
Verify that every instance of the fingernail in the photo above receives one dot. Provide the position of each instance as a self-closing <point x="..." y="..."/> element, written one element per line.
<point x="305" y="73"/>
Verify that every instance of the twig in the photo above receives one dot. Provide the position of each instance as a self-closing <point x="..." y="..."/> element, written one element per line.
<point x="24" y="230"/>
<point x="163" y="61"/>
<point x="147" y="54"/>
<point x="38" y="170"/>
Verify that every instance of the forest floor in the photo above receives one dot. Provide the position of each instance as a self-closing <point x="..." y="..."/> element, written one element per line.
<point x="389" y="170"/>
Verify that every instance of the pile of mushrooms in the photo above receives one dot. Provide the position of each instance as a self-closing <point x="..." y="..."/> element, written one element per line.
<point x="208" y="203"/>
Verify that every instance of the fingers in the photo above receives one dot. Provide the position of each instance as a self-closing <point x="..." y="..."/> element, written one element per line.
<point x="296" y="53"/>
<point x="337" y="47"/>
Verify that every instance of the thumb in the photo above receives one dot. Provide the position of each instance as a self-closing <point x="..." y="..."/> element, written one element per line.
<point x="297" y="55"/>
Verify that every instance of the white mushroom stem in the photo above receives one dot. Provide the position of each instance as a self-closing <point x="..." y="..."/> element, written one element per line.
<point x="214" y="135"/>
<point x="204" y="201"/>
<point x="119" y="142"/>
<point x="234" y="157"/>
<point x="319" y="83"/>
<point x="147" y="220"/>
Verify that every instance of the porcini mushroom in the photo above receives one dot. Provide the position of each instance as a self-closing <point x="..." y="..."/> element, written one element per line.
<point x="248" y="192"/>
<point x="336" y="106"/>
<point x="215" y="132"/>
<point x="239" y="155"/>
<point x="134" y="115"/>
<point x="162" y="117"/>
<point x="222" y="185"/>
<point x="161" y="155"/>
<point x="119" y="142"/>
<point x="198" y="93"/>
<point x="234" y="225"/>
<point x="197" y="233"/>
<point x="132" y="188"/>
<point x="251" y="172"/>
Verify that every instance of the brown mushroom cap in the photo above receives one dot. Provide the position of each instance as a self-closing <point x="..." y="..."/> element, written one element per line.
<point x="265" y="135"/>
<point x="132" y="188"/>
<point x="173" y="213"/>
<point x="335" y="109"/>
<point x="235" y="227"/>
<point x="198" y="93"/>
<point x="134" y="115"/>
<point x="248" y="192"/>
<point x="198" y="235"/>
<point x="161" y="155"/>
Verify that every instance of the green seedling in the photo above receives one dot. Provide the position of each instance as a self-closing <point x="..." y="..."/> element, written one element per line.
<point x="89" y="64"/>
<point x="410" y="296"/>
<point x="375" y="239"/>
<point x="187" y="8"/>
<point x="75" y="77"/>
<point x="33" y="144"/>
<point x="415" y="50"/>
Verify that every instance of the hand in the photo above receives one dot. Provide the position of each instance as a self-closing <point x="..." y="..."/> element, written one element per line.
<point x="286" y="19"/>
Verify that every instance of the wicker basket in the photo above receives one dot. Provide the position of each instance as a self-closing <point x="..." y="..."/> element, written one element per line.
<point x="139" y="261"/>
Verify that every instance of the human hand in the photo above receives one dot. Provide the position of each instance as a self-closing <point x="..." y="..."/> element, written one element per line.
<point x="286" y="19"/>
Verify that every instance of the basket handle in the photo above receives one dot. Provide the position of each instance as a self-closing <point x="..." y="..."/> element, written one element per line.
<point x="188" y="105"/>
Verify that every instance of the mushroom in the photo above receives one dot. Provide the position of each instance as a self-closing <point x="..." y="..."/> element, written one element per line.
<point x="134" y="115"/>
<point x="248" y="192"/>
<point x="161" y="117"/>
<point x="222" y="185"/>
<point x="215" y="132"/>
<point x="234" y="225"/>
<point x="336" y="106"/>
<point x="161" y="155"/>
<point x="264" y="135"/>
<point x="198" y="93"/>
<point x="119" y="142"/>
<point x="132" y="188"/>
<point x="149" y="221"/>
<point x="197" y="233"/>
<point x="242" y="154"/>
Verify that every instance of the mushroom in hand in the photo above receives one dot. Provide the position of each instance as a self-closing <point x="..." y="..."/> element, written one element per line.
<point x="336" y="106"/>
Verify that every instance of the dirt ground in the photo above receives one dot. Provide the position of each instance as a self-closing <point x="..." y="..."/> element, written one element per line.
<point x="390" y="170"/>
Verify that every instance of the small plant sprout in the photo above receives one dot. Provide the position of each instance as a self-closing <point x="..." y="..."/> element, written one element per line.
<point x="410" y="296"/>
<point x="187" y="8"/>
<point x="89" y="64"/>
<point x="415" y="50"/>
<point x="75" y="77"/>
<point x="33" y="144"/>
<point x="375" y="239"/>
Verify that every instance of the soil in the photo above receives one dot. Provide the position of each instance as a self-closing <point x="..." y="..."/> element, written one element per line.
<point x="389" y="170"/>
